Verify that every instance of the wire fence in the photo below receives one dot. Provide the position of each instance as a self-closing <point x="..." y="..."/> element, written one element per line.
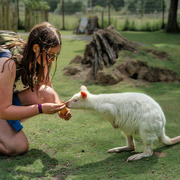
<point x="133" y="19"/>
<point x="121" y="21"/>
<point x="8" y="15"/>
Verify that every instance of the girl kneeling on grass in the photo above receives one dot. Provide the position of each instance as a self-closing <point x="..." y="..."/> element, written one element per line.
<point x="31" y="93"/>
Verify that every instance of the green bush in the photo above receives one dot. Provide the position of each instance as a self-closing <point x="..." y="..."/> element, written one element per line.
<point x="97" y="9"/>
<point x="126" y="25"/>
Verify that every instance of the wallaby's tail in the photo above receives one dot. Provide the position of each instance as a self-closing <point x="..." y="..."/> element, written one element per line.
<point x="169" y="141"/>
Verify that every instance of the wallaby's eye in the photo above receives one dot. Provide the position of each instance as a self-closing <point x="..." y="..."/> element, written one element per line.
<point x="75" y="100"/>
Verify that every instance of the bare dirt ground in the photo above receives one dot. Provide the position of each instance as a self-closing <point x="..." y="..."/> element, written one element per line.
<point x="110" y="58"/>
<point x="138" y="71"/>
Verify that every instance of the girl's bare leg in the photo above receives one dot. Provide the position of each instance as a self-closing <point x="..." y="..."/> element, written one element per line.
<point x="13" y="143"/>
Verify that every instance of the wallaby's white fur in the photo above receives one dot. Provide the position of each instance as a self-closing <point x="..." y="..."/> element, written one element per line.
<point x="133" y="113"/>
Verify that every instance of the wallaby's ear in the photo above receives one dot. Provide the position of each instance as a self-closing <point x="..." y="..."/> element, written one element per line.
<point x="83" y="94"/>
<point x="83" y="88"/>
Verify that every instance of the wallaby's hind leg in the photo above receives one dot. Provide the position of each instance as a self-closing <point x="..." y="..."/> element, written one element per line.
<point x="147" y="152"/>
<point x="130" y="146"/>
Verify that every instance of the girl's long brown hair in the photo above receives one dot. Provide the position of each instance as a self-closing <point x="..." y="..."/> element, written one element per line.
<point x="46" y="36"/>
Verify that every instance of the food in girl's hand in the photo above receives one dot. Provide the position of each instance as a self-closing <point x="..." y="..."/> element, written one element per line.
<point x="63" y="111"/>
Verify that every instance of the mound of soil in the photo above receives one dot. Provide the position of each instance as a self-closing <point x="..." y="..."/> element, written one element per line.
<point x="129" y="70"/>
<point x="103" y="64"/>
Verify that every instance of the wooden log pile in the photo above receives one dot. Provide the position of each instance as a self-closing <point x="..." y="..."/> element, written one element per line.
<point x="104" y="48"/>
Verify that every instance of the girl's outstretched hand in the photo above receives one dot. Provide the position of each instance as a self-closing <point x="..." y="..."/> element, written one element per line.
<point x="51" y="108"/>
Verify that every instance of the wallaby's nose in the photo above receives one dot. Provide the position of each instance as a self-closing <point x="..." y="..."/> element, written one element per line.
<point x="67" y="103"/>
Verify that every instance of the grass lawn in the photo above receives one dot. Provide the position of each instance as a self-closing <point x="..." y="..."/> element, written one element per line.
<point x="76" y="149"/>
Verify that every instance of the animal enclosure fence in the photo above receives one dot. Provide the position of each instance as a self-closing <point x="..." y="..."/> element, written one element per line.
<point x="33" y="17"/>
<point x="8" y="15"/>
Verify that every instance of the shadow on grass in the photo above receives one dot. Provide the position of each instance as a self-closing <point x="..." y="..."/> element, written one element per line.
<point x="114" y="167"/>
<point x="38" y="164"/>
<point x="34" y="164"/>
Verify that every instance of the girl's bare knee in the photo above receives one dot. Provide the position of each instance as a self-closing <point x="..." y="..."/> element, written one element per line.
<point x="19" y="149"/>
<point x="24" y="148"/>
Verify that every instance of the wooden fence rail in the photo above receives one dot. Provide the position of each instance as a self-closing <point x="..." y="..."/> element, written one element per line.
<point x="8" y="15"/>
<point x="33" y="17"/>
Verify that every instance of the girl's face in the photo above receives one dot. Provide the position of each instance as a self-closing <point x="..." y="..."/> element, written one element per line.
<point x="49" y="54"/>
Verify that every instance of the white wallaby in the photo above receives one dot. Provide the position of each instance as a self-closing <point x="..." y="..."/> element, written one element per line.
<point x="133" y="113"/>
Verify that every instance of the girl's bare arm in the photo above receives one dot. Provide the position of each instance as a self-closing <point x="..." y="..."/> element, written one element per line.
<point x="9" y="111"/>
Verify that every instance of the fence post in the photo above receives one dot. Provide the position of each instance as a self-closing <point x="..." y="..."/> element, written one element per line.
<point x="163" y="9"/>
<point x="32" y="18"/>
<point x="46" y="15"/>
<point x="3" y="15"/>
<point x="42" y="17"/>
<point x="8" y="15"/>
<point x="0" y="14"/>
<point x="27" y="19"/>
<point x="14" y="18"/>
<point x="7" y="19"/>
<point x="102" y="19"/>
<point x="63" y="15"/>
<point x="109" y="12"/>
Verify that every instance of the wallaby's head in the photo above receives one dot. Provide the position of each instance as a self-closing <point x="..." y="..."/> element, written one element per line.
<point x="79" y="100"/>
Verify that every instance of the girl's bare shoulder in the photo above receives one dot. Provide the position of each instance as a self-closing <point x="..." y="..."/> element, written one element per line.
<point x="7" y="67"/>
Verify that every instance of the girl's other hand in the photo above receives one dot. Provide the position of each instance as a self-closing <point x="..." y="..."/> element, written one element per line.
<point x="67" y="116"/>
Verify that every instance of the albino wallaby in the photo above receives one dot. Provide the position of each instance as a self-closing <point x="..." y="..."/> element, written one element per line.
<point x="133" y="113"/>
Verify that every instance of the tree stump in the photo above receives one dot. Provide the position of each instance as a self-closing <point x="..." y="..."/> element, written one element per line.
<point x="111" y="58"/>
<point x="104" y="48"/>
<point x="88" y="27"/>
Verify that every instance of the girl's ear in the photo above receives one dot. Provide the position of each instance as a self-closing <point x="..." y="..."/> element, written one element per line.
<point x="83" y="94"/>
<point x="36" y="48"/>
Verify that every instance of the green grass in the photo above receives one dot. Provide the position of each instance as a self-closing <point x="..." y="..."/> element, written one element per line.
<point x="158" y="37"/>
<point x="76" y="149"/>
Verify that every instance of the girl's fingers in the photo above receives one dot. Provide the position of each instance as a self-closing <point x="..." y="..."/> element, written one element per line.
<point x="60" y="106"/>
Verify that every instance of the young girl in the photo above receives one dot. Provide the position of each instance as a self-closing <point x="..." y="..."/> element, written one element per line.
<point x="25" y="87"/>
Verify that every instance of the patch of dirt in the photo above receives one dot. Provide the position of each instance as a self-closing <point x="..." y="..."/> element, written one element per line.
<point x="136" y="70"/>
<point x="102" y="62"/>
<point x="141" y="70"/>
<point x="161" y="55"/>
<point x="160" y="154"/>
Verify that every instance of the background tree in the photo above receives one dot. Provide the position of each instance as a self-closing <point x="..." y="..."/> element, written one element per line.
<point x="36" y="4"/>
<point x="152" y="6"/>
<point x="102" y="3"/>
<point x="172" y="25"/>
<point x="53" y="4"/>
<point x="143" y="6"/>
<point x="76" y="6"/>
<point x="116" y="4"/>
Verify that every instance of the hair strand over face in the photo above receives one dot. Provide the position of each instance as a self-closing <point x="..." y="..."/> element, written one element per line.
<point x="46" y="36"/>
